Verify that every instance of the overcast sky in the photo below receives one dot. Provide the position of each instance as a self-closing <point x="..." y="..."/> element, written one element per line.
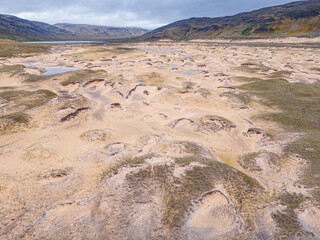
<point x="148" y="14"/>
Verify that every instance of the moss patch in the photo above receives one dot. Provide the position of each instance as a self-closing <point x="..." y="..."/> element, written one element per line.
<point x="84" y="75"/>
<point x="180" y="194"/>
<point x="9" y="48"/>
<point x="12" y="122"/>
<point x="247" y="79"/>
<point x="19" y="70"/>
<point x="247" y="31"/>
<point x="204" y="92"/>
<point x="253" y="68"/>
<point x="242" y="97"/>
<point x="28" y="99"/>
<point x="153" y="79"/>
<point x="287" y="220"/>
<point x="300" y="112"/>
<point x="248" y="161"/>
<point x="12" y="69"/>
<point x="17" y="117"/>
<point x="127" y="162"/>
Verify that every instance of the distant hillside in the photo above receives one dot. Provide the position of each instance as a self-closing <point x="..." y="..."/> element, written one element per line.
<point x="90" y="32"/>
<point x="18" y="29"/>
<point x="12" y="27"/>
<point x="293" y="19"/>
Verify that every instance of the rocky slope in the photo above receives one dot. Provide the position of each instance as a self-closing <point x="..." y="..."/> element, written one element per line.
<point x="294" y="19"/>
<point x="20" y="29"/>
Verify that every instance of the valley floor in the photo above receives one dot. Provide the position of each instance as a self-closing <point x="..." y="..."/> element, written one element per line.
<point x="164" y="140"/>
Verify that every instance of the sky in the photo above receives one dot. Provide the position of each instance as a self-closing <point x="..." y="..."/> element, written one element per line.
<point x="149" y="14"/>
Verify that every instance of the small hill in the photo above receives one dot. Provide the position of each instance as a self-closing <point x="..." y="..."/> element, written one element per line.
<point x="300" y="19"/>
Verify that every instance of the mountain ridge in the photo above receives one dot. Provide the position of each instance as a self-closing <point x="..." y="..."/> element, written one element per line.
<point x="96" y="31"/>
<point x="16" y="28"/>
<point x="299" y="18"/>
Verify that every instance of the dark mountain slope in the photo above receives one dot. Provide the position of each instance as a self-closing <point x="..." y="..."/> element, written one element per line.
<point x="16" y="28"/>
<point x="12" y="27"/>
<point x="100" y="32"/>
<point x="294" y="19"/>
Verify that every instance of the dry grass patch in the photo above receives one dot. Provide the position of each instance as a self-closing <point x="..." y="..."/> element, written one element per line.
<point x="28" y="99"/>
<point x="153" y="79"/>
<point x="83" y="76"/>
<point x="9" y="48"/>
<point x="300" y="105"/>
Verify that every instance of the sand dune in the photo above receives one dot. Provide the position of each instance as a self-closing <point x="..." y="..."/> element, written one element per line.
<point x="151" y="141"/>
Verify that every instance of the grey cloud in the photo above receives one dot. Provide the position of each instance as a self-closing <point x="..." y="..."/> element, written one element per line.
<point x="140" y="13"/>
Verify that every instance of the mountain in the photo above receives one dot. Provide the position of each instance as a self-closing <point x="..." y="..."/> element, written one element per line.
<point x="16" y="28"/>
<point x="12" y="27"/>
<point x="293" y="19"/>
<point x="92" y="32"/>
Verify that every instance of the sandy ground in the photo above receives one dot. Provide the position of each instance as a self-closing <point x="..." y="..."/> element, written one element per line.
<point x="153" y="98"/>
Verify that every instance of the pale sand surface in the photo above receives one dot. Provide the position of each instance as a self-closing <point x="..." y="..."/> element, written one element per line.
<point x="150" y="101"/>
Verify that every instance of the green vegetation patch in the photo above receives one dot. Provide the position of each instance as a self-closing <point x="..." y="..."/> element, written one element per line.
<point x="299" y="102"/>
<point x="242" y="97"/>
<point x="127" y="162"/>
<point x="18" y="117"/>
<point x="9" y="48"/>
<point x="247" y="79"/>
<point x="204" y="92"/>
<point x="180" y="194"/>
<point x="253" y="68"/>
<point x="193" y="148"/>
<point x="115" y="51"/>
<point x="9" y="122"/>
<point x="247" y="31"/>
<point x="315" y="69"/>
<point x="83" y="76"/>
<point x="19" y="70"/>
<point x="28" y="99"/>
<point x="286" y="219"/>
<point x="207" y="118"/>
<point x="12" y="69"/>
<point x="106" y="51"/>
<point x="248" y="161"/>
<point x="153" y="79"/>
<point x="280" y="74"/>
<point x="33" y="77"/>
<point x="300" y="112"/>
<point x="12" y="95"/>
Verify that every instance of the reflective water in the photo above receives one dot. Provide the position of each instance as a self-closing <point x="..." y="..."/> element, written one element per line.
<point x="156" y="50"/>
<point x="140" y="81"/>
<point x="62" y="42"/>
<point x="50" y="70"/>
<point x="190" y="72"/>
<point x="57" y="70"/>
